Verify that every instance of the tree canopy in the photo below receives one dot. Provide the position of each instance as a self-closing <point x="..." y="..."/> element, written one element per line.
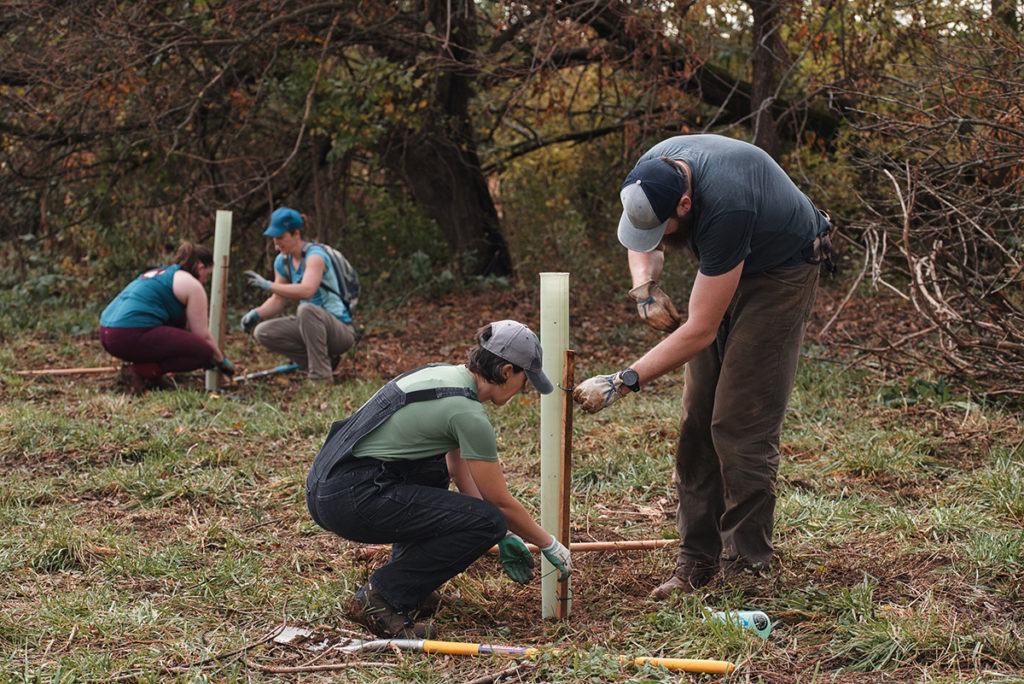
<point x="125" y="125"/>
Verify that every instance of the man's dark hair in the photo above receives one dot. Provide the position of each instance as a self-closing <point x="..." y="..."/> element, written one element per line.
<point x="675" y="167"/>
<point x="487" y="364"/>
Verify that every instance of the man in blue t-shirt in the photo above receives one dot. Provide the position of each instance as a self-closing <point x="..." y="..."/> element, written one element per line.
<point x="321" y="329"/>
<point x="758" y="240"/>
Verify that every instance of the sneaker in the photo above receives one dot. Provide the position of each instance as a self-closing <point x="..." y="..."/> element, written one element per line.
<point x="686" y="578"/>
<point x="368" y="608"/>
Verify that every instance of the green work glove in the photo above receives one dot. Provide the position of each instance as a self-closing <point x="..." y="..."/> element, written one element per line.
<point x="516" y="559"/>
<point x="558" y="556"/>
<point x="250" y="320"/>
<point x="226" y="367"/>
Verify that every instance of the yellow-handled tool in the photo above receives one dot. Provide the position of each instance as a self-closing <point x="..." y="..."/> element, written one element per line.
<point x="464" y="648"/>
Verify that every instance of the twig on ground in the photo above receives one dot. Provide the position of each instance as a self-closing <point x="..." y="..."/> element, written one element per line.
<point x="326" y="667"/>
<point x="206" y="662"/>
<point x="512" y="671"/>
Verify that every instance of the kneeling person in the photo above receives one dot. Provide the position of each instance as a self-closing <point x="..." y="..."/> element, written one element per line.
<point x="321" y="329"/>
<point x="382" y="477"/>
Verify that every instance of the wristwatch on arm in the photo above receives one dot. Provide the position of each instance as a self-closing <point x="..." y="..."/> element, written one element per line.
<point x="630" y="379"/>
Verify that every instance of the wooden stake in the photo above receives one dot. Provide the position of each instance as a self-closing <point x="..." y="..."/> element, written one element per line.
<point x="562" y="604"/>
<point x="68" y="371"/>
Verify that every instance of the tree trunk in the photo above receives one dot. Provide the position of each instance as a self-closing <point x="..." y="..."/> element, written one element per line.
<point x="449" y="184"/>
<point x="765" y="54"/>
<point x="439" y="162"/>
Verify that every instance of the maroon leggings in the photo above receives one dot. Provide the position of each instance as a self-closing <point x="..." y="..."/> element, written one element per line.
<point x="163" y="349"/>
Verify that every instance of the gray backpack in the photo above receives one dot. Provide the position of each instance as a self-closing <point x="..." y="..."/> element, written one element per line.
<point x="347" y="278"/>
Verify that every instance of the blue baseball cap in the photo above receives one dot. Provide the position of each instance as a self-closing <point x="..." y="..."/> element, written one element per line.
<point x="283" y="220"/>
<point x="649" y="195"/>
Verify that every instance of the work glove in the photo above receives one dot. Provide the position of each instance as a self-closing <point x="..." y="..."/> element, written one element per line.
<point x="655" y="307"/>
<point x="516" y="559"/>
<point x="226" y="367"/>
<point x="256" y="280"/>
<point x="558" y="556"/>
<point x="598" y="392"/>
<point x="250" y="320"/>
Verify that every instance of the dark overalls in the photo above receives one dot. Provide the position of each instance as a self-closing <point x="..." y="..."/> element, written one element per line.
<point x="435" y="533"/>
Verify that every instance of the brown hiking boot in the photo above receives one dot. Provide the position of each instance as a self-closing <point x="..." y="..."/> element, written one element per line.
<point x="687" y="578"/>
<point x="137" y="384"/>
<point x="368" y="608"/>
<point x="435" y="601"/>
<point x="740" y="575"/>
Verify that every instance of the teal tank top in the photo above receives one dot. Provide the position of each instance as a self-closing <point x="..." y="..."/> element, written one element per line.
<point x="147" y="302"/>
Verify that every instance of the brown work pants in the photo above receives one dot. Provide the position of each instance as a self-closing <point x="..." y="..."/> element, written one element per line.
<point x="734" y="401"/>
<point x="309" y="338"/>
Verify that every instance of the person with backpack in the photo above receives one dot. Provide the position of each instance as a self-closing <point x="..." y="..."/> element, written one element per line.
<point x="321" y="329"/>
<point x="382" y="477"/>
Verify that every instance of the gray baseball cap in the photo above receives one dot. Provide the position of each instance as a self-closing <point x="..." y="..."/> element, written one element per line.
<point x="517" y="344"/>
<point x="649" y="196"/>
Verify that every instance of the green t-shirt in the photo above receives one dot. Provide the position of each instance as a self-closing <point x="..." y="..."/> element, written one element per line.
<point x="430" y="428"/>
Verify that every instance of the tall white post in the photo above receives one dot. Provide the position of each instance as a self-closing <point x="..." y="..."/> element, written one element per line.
<point x="219" y="288"/>
<point x="554" y="340"/>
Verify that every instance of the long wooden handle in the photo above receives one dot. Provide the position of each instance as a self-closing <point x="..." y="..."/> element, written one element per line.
<point x="68" y="371"/>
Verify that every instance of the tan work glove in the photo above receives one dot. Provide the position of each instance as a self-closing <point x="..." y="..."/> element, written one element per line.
<point x="655" y="307"/>
<point x="599" y="391"/>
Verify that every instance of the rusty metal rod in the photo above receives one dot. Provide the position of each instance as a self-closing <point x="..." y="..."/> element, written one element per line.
<point x="565" y="476"/>
<point x="624" y="545"/>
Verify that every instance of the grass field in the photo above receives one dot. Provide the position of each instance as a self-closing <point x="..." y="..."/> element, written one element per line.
<point x="165" y="537"/>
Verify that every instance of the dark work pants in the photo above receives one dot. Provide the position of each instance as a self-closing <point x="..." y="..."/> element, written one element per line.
<point x="435" y="533"/>
<point x="171" y="347"/>
<point x="734" y="402"/>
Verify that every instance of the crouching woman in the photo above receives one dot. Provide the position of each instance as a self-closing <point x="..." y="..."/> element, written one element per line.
<point x="382" y="476"/>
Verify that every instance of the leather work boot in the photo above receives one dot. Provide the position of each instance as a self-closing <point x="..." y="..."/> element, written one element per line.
<point x="435" y="601"/>
<point x="687" y="578"/>
<point x="368" y="608"/>
<point x="740" y="575"/>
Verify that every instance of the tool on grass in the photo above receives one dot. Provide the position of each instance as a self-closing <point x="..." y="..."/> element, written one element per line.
<point x="68" y="371"/>
<point x="270" y="371"/>
<point x="289" y="635"/>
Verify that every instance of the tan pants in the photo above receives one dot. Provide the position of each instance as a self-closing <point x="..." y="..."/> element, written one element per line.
<point x="309" y="338"/>
<point x="734" y="400"/>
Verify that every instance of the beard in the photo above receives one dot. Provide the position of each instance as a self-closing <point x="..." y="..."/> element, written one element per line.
<point x="680" y="238"/>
